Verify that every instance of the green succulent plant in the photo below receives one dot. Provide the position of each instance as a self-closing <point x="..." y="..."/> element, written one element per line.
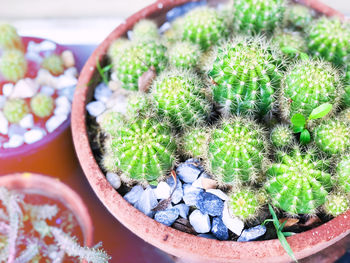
<point x="15" y="109"/>
<point x="282" y="136"/>
<point x="329" y="38"/>
<point x="287" y="40"/>
<point x="110" y="121"/>
<point x="245" y="76"/>
<point x="342" y="173"/>
<point x="336" y="204"/>
<point x="42" y="105"/>
<point x="184" y="55"/>
<point x="54" y="64"/>
<point x="117" y="47"/>
<point x="298" y="16"/>
<point x="9" y="39"/>
<point x="237" y="151"/>
<point x="145" y="29"/>
<point x="13" y="65"/>
<point x="194" y="142"/>
<point x="299" y="182"/>
<point x="180" y="97"/>
<point x="257" y="16"/>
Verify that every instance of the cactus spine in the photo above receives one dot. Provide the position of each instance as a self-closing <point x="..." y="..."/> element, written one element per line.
<point x="194" y="142"/>
<point x="336" y="204"/>
<point x="13" y="65"/>
<point x="298" y="16"/>
<point x="281" y="136"/>
<point x="184" y="55"/>
<point x="145" y="30"/>
<point x="343" y="173"/>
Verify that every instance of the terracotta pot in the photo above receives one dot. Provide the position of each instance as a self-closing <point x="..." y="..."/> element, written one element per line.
<point x="53" y="155"/>
<point x="54" y="189"/>
<point x="183" y="245"/>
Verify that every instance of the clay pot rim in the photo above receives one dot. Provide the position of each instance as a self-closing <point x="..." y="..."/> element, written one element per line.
<point x="27" y="149"/>
<point x="166" y="238"/>
<point x="53" y="188"/>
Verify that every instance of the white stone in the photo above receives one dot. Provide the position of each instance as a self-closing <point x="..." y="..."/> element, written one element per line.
<point x="64" y="81"/>
<point x="16" y="129"/>
<point x="233" y="223"/>
<point x="200" y="222"/>
<point x="68" y="58"/>
<point x="2" y="101"/>
<point x="114" y="77"/>
<point x="47" y="90"/>
<point x="33" y="135"/>
<point x="67" y="92"/>
<point x="27" y="122"/>
<point x="34" y="56"/>
<point x="4" y="124"/>
<point x="113" y="179"/>
<point x="24" y="88"/>
<point x="162" y="191"/>
<point x="7" y="89"/>
<point x="198" y="183"/>
<point x="165" y="27"/>
<point x="14" y="141"/>
<point x="44" y="78"/>
<point x="120" y="104"/>
<point x="54" y="122"/>
<point x="72" y="71"/>
<point x="46" y="45"/>
<point x="63" y="106"/>
<point x="102" y="92"/>
<point x="95" y="108"/>
<point x="218" y="193"/>
<point x="147" y="202"/>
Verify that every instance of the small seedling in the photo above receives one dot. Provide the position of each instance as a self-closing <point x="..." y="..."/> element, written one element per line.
<point x="103" y="71"/>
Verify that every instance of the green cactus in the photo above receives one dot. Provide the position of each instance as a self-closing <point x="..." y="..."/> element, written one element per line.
<point x="117" y="47"/>
<point x="308" y="84"/>
<point x="246" y="74"/>
<point x="15" y="109"/>
<point x="9" y="39"/>
<point x="143" y="150"/>
<point x="179" y="96"/>
<point x="282" y="136"/>
<point x="336" y="204"/>
<point x="204" y="26"/>
<point x="329" y="38"/>
<point x="140" y="105"/>
<point x="184" y="55"/>
<point x="110" y="121"/>
<point x="174" y="33"/>
<point x="342" y="173"/>
<point x="145" y="29"/>
<point x="237" y="151"/>
<point x="299" y="183"/>
<point x="54" y="64"/>
<point x="42" y="105"/>
<point x="288" y="39"/>
<point x="332" y="137"/>
<point x="344" y="116"/>
<point x="136" y="59"/>
<point x="13" y="65"/>
<point x="194" y="142"/>
<point x="346" y="96"/>
<point x="298" y="16"/>
<point x="256" y="16"/>
<point x="244" y="204"/>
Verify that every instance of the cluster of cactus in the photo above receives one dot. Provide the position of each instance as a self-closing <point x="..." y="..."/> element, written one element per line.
<point x="215" y="97"/>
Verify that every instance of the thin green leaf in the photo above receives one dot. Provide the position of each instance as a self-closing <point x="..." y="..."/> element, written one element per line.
<point x="103" y="71"/>
<point x="305" y="137"/>
<point x="298" y="120"/>
<point x="282" y="225"/>
<point x="288" y="234"/>
<point x="274" y="217"/>
<point x="320" y="111"/>
<point x="266" y="221"/>
<point x="298" y="129"/>
<point x="285" y="245"/>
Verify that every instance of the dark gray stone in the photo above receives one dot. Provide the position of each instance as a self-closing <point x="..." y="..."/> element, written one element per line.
<point x="210" y="204"/>
<point x="191" y="194"/>
<point x="183" y="209"/>
<point x="188" y="173"/>
<point x="178" y="193"/>
<point x="147" y="202"/>
<point x="167" y="217"/>
<point x="134" y="194"/>
<point x="252" y="233"/>
<point x="219" y="229"/>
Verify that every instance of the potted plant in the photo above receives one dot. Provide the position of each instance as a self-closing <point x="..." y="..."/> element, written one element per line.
<point x="234" y="150"/>
<point x="43" y="219"/>
<point x="37" y="80"/>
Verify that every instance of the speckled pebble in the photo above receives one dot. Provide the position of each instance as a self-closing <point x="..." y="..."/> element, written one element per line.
<point x="167" y="217"/>
<point x="251" y="234"/>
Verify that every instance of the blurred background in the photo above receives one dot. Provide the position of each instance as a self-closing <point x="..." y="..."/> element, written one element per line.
<point x="81" y="21"/>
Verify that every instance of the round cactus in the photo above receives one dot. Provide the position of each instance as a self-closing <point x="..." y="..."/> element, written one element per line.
<point x="13" y="65"/>
<point x="307" y="85"/>
<point x="117" y="48"/>
<point x="281" y="136"/>
<point x="346" y="96"/>
<point x="54" y="64"/>
<point x="256" y="16"/>
<point x="345" y="116"/>
<point x="179" y="96"/>
<point x="42" y="105"/>
<point x="194" y="142"/>
<point x="329" y="38"/>
<point x="140" y="105"/>
<point x="110" y="121"/>
<point x="343" y="173"/>
<point x="237" y="151"/>
<point x="144" y="150"/>
<point x="9" y="39"/>
<point x="184" y="55"/>
<point x="288" y="39"/>
<point x="15" y="109"/>
<point x="298" y="184"/>
<point x="136" y="59"/>
<point x="174" y="33"/>
<point x="145" y="30"/>
<point x="204" y="26"/>
<point x="244" y="204"/>
<point x="297" y="16"/>
<point x="336" y="204"/>
<point x="332" y="137"/>
<point x="245" y="74"/>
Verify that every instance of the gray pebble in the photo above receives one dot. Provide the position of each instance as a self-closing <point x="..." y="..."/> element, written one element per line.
<point x="113" y="179"/>
<point x="252" y="233"/>
<point x="191" y="194"/>
<point x="219" y="229"/>
<point x="167" y="217"/>
<point x="178" y="193"/>
<point x="183" y="209"/>
<point x="200" y="222"/>
<point x="134" y="194"/>
<point x="210" y="204"/>
<point x="187" y="172"/>
<point x="147" y="202"/>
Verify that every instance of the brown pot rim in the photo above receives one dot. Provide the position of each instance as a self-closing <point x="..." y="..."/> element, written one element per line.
<point x="55" y="189"/>
<point x="166" y="238"/>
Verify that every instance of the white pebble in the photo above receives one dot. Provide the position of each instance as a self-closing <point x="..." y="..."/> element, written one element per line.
<point x="67" y="92"/>
<point x="4" y="124"/>
<point x="47" y="90"/>
<point x="114" y="77"/>
<point x="162" y="191"/>
<point x="33" y="135"/>
<point x="95" y="108"/>
<point x="34" y="56"/>
<point x="45" y="78"/>
<point x="64" y="81"/>
<point x="200" y="222"/>
<point x="218" y="193"/>
<point x="72" y="71"/>
<point x="25" y="88"/>
<point x="233" y="223"/>
<point x="27" y="122"/>
<point x="68" y="58"/>
<point x="198" y="183"/>
<point x="14" y="141"/>
<point x="102" y="92"/>
<point x="2" y="101"/>
<point x="46" y="45"/>
<point x="7" y="89"/>
<point x="113" y="179"/>
<point x="54" y="122"/>
<point x="63" y="106"/>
